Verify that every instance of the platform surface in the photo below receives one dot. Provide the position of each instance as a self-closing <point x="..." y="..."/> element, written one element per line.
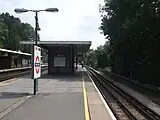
<point x="59" y="98"/>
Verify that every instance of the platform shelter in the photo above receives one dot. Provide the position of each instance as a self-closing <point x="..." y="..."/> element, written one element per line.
<point x="63" y="55"/>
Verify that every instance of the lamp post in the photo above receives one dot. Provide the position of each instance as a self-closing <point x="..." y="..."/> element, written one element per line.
<point x="22" y="10"/>
<point x="19" y="10"/>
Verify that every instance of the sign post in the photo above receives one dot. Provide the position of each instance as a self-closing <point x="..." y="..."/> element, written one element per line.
<point x="36" y="58"/>
<point x="36" y="66"/>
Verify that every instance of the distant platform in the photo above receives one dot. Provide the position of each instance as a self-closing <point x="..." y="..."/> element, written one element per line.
<point x="14" y="52"/>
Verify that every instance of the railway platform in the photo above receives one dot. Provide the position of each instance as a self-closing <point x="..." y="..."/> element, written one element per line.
<point x="60" y="97"/>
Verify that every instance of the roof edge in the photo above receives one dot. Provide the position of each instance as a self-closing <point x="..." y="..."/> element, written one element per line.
<point x="57" y="42"/>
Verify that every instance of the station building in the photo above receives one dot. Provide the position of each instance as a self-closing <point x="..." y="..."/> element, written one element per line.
<point x="63" y="55"/>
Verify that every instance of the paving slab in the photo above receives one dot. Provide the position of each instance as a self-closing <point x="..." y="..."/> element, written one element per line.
<point x="59" y="98"/>
<point x="13" y="91"/>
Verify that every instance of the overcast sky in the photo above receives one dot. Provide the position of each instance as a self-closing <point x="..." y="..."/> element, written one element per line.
<point x="77" y="20"/>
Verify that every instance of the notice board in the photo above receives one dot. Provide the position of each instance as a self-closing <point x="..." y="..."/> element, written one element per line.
<point x="59" y="61"/>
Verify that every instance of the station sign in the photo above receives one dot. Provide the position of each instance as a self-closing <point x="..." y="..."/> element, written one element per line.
<point x="37" y="62"/>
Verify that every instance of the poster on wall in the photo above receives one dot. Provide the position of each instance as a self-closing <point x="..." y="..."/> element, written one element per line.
<point x="59" y="61"/>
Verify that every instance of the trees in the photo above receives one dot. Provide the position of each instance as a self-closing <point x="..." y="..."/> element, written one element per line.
<point x="101" y="57"/>
<point x="98" y="58"/>
<point x="133" y="30"/>
<point x="3" y="33"/>
<point x="12" y="31"/>
<point x="90" y="58"/>
<point x="11" y="38"/>
<point x="27" y="34"/>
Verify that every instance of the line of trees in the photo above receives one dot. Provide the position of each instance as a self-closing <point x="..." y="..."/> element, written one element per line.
<point x="98" y="58"/>
<point x="12" y="31"/>
<point x="132" y="28"/>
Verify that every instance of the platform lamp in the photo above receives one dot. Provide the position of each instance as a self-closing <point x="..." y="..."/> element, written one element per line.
<point x="22" y="10"/>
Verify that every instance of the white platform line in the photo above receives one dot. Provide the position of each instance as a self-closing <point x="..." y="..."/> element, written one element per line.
<point x="104" y="102"/>
<point x="14" y="106"/>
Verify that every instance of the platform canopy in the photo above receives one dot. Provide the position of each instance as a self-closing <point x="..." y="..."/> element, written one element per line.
<point x="80" y="46"/>
<point x="14" y="52"/>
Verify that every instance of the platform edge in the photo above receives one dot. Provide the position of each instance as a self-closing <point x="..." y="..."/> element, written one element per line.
<point x="102" y="99"/>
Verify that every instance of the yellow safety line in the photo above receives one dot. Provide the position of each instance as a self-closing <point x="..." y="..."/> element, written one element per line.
<point x="87" y="117"/>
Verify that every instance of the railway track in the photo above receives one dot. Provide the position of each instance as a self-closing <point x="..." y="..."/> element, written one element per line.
<point x="123" y="105"/>
<point x="152" y="92"/>
<point x="13" y="74"/>
<point x="133" y="82"/>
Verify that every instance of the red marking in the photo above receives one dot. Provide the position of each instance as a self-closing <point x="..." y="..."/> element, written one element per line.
<point x="37" y="69"/>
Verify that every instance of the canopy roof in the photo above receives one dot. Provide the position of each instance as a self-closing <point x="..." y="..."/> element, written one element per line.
<point x="80" y="46"/>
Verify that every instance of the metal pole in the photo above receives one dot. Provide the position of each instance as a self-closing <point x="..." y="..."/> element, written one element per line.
<point x="76" y="61"/>
<point x="36" y="28"/>
<point x="36" y="36"/>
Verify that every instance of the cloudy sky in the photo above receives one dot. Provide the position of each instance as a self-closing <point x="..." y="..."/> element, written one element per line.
<point x="77" y="20"/>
